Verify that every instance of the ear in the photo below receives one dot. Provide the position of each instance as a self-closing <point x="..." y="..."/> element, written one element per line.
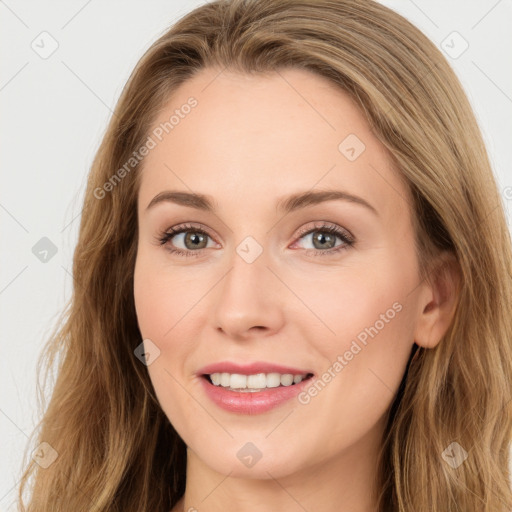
<point x="438" y="301"/>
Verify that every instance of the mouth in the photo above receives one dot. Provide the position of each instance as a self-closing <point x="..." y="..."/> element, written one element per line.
<point x="253" y="387"/>
<point x="253" y="393"/>
<point x="256" y="382"/>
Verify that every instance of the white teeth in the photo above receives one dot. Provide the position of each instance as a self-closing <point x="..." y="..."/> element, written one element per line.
<point x="257" y="381"/>
<point x="273" y="380"/>
<point x="225" y="379"/>
<point x="286" y="379"/>
<point x="236" y="381"/>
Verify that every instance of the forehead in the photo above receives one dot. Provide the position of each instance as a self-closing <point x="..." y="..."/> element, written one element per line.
<point x="253" y="137"/>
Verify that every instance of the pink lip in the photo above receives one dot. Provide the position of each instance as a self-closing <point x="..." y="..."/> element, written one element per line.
<point x="251" y="402"/>
<point x="250" y="369"/>
<point x="248" y="402"/>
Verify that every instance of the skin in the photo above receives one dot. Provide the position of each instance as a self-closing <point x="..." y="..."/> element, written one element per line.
<point x="251" y="140"/>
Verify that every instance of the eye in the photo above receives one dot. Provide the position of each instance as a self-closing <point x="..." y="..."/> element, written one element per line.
<point x="192" y="237"/>
<point x="323" y="236"/>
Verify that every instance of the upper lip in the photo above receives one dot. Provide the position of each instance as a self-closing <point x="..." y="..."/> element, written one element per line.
<point x="250" y="369"/>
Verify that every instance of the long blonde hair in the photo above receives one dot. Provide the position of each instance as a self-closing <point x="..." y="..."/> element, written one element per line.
<point x="116" y="449"/>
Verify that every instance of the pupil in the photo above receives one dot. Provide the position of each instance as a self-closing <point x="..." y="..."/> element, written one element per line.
<point x="322" y="238"/>
<point x="195" y="238"/>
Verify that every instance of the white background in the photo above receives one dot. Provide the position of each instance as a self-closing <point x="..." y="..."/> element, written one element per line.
<point x="54" y="112"/>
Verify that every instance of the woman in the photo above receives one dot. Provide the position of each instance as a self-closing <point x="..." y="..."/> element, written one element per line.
<point x="210" y="360"/>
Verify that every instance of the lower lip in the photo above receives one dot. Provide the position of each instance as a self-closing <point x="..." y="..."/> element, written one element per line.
<point x="252" y="402"/>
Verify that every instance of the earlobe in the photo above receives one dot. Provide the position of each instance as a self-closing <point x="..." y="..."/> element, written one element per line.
<point x="438" y="302"/>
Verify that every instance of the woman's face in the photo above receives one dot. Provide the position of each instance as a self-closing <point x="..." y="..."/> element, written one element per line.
<point x="266" y="284"/>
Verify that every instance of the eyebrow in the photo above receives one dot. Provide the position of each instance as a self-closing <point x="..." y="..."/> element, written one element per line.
<point x="285" y="204"/>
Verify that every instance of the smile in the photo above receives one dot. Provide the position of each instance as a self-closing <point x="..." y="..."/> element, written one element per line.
<point x="255" y="382"/>
<point x="245" y="394"/>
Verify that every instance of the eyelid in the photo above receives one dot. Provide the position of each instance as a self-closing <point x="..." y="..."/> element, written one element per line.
<point x="180" y="228"/>
<point x="319" y="225"/>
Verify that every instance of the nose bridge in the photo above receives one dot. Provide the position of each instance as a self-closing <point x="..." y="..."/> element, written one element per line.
<point x="248" y="273"/>
<point x="248" y="295"/>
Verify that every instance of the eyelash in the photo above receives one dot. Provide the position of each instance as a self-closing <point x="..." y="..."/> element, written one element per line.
<point x="348" y="241"/>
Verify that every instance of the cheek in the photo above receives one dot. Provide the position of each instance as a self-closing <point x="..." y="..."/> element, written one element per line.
<point x="368" y="304"/>
<point x="170" y="313"/>
<point x="161" y="299"/>
<point x="161" y="307"/>
<point x="371" y="338"/>
<point x="367" y="333"/>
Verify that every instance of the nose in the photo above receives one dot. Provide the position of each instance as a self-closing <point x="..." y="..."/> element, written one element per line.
<point x="249" y="300"/>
